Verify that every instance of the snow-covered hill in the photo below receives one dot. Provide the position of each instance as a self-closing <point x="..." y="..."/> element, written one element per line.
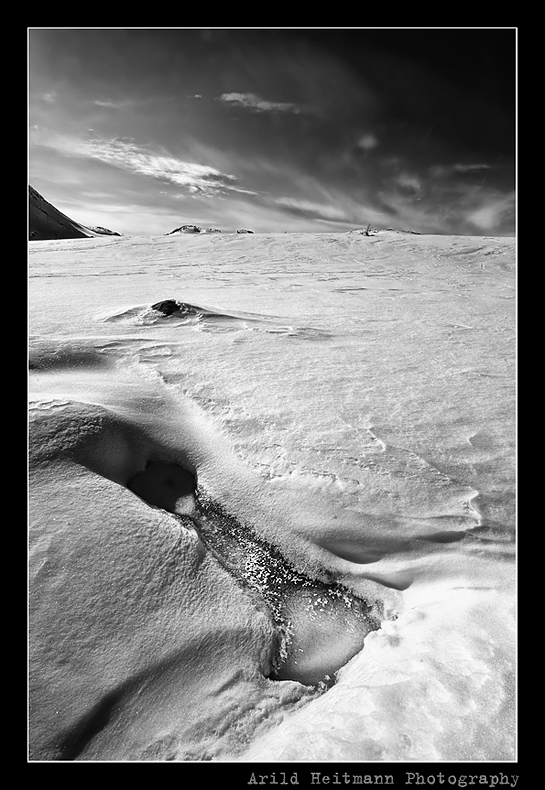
<point x="46" y="222"/>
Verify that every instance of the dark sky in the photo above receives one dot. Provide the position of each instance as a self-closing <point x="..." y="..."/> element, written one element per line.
<point x="142" y="129"/>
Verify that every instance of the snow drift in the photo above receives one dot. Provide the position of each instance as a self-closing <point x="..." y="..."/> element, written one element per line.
<point x="275" y="522"/>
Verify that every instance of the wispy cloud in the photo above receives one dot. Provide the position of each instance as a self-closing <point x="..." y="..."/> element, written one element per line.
<point x="409" y="183"/>
<point x="254" y="103"/>
<point x="445" y="207"/>
<point x="49" y="97"/>
<point x="458" y="168"/>
<point x="130" y="156"/>
<point x="442" y="171"/>
<point x="308" y="198"/>
<point x="115" y="105"/>
<point x="494" y="212"/>
<point x="308" y="208"/>
<point x="127" y="154"/>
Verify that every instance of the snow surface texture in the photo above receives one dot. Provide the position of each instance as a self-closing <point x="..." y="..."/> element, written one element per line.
<point x="275" y="522"/>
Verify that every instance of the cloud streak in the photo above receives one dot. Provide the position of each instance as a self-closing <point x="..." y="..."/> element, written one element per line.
<point x="114" y="105"/>
<point x="255" y="104"/>
<point x="442" y="171"/>
<point x="126" y="154"/>
<point x="308" y="208"/>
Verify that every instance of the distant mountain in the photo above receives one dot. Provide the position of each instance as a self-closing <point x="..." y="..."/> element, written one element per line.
<point x="193" y="229"/>
<point x="185" y="229"/>
<point x="100" y="231"/>
<point x="47" y="222"/>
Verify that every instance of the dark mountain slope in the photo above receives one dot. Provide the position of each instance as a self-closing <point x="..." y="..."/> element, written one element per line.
<point x="47" y="222"/>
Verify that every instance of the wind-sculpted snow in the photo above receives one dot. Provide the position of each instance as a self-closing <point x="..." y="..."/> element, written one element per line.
<point x="206" y="318"/>
<point x="155" y="449"/>
<point x="272" y="498"/>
